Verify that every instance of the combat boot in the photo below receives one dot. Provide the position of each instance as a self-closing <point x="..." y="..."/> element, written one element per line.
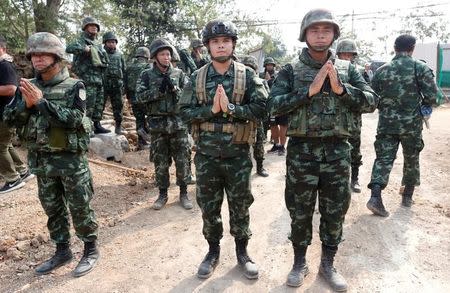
<point x="375" y="203"/>
<point x="162" y="199"/>
<point x="62" y="256"/>
<point x="354" y="184"/>
<point x="210" y="261"/>
<point x="407" y="196"/>
<point x="299" y="269"/>
<point x="88" y="260"/>
<point x="327" y="270"/>
<point x="260" y="169"/>
<point x="118" y="129"/>
<point x="184" y="198"/>
<point x="244" y="261"/>
<point x="98" y="128"/>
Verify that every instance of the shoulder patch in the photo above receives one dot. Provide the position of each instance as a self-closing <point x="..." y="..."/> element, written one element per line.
<point x="82" y="94"/>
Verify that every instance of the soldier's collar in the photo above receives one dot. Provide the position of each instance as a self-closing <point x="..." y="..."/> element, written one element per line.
<point x="58" y="78"/>
<point x="212" y="71"/>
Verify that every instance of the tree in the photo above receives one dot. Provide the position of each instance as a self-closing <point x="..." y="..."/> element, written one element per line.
<point x="46" y="15"/>
<point x="426" y="25"/>
<point x="16" y="22"/>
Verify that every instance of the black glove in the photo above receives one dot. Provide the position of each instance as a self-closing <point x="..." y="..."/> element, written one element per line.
<point x="169" y="83"/>
<point x="163" y="86"/>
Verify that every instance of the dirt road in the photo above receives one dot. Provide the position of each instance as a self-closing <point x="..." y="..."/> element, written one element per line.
<point x="143" y="250"/>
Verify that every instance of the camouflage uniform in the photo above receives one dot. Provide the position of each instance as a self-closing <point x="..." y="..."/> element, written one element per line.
<point x="169" y="139"/>
<point x="318" y="152"/>
<point x="186" y="64"/>
<point x="90" y="68"/>
<point x="258" y="146"/>
<point x="134" y="70"/>
<point x="197" y="43"/>
<point x="213" y="176"/>
<point x="400" y="120"/>
<point x="114" y="79"/>
<point x="56" y="133"/>
<point x="349" y="46"/>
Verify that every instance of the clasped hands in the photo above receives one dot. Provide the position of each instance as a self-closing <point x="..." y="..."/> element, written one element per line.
<point x="220" y="101"/>
<point x="329" y="71"/>
<point x="30" y="93"/>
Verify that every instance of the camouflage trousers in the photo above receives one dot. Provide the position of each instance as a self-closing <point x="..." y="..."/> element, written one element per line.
<point x="73" y="193"/>
<point x="138" y="112"/>
<point x="258" y="146"/>
<point x="214" y="175"/>
<point x="308" y="179"/>
<point x="11" y="166"/>
<point x="95" y="101"/>
<point x="115" y="96"/>
<point x="355" y="142"/>
<point x="163" y="148"/>
<point x="386" y="146"/>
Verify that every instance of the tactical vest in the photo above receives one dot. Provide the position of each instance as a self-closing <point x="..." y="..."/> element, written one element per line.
<point x="243" y="132"/>
<point x="134" y="70"/>
<point x="41" y="136"/>
<point x="114" y="69"/>
<point x="167" y="105"/>
<point x="326" y="115"/>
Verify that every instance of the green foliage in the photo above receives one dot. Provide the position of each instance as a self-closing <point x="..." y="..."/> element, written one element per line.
<point x="425" y="25"/>
<point x="16" y="23"/>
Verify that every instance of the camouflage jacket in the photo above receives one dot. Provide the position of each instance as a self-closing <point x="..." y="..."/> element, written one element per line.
<point x="270" y="81"/>
<point x="187" y="64"/>
<point x="398" y="84"/>
<point x="161" y="104"/>
<point x="55" y="130"/>
<point x="85" y="66"/>
<point x="218" y="144"/>
<point x="324" y="114"/>
<point x="115" y="73"/>
<point x="134" y="70"/>
<point x="200" y="62"/>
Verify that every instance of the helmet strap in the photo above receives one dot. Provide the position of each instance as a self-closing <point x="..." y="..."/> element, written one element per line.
<point x="48" y="68"/>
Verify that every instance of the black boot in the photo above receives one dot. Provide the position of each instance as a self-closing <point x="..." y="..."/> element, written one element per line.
<point x="184" y="198"/>
<point x="354" y="184"/>
<point x="88" y="260"/>
<point x="244" y="261"/>
<point x="118" y="130"/>
<point x="327" y="270"/>
<point x="407" y="196"/>
<point x="375" y="203"/>
<point x="62" y="256"/>
<point x="98" y="128"/>
<point x="260" y="169"/>
<point x="162" y="199"/>
<point x="210" y="261"/>
<point x="299" y="269"/>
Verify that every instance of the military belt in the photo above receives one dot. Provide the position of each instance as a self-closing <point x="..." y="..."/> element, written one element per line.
<point x="217" y="127"/>
<point x="315" y="139"/>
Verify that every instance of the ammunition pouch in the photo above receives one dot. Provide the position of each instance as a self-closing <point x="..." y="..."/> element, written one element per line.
<point x="243" y="132"/>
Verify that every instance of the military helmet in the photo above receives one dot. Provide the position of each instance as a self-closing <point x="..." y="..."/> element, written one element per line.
<point x="44" y="42"/>
<point x="90" y="20"/>
<point x="318" y="16"/>
<point x="346" y="46"/>
<point x="195" y="43"/>
<point x="109" y="36"/>
<point x="219" y="28"/>
<point x="175" y="55"/>
<point x="269" y="60"/>
<point x="250" y="61"/>
<point x="142" y="52"/>
<point x="159" y="44"/>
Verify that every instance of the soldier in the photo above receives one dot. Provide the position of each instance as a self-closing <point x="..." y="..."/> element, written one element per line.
<point x="115" y="77"/>
<point x="186" y="64"/>
<point x="197" y="53"/>
<point x="139" y="63"/>
<point x="404" y="85"/>
<point x="12" y="168"/>
<point x="52" y="107"/>
<point x="258" y="146"/>
<point x="319" y="93"/>
<point x="278" y="124"/>
<point x="346" y="50"/>
<point x="223" y="101"/>
<point x="89" y="62"/>
<point x="158" y="91"/>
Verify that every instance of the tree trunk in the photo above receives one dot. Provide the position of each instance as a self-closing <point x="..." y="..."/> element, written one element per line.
<point x="46" y="15"/>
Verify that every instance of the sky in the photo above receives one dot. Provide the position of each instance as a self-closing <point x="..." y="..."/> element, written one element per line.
<point x="372" y="19"/>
